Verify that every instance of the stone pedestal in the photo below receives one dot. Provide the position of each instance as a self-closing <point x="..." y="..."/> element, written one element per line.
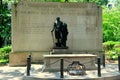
<point x="61" y="51"/>
<point x="52" y="62"/>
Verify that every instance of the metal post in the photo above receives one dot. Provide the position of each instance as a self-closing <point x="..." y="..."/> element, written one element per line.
<point x="28" y="66"/>
<point x="103" y="60"/>
<point x="99" y="67"/>
<point x="61" y="68"/>
<point x="119" y="63"/>
<point x="30" y="61"/>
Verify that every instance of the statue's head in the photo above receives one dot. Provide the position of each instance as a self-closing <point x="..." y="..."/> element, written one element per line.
<point x="58" y="18"/>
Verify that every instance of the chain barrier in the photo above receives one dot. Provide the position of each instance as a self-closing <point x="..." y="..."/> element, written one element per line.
<point x="67" y="61"/>
<point x="89" y="61"/>
<point x="82" y="63"/>
<point x="43" y="68"/>
<point x="53" y="63"/>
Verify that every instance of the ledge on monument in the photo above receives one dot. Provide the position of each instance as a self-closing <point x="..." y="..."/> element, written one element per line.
<point x="70" y="55"/>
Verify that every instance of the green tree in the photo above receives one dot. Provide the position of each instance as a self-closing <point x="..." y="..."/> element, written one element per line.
<point x="5" y="23"/>
<point x="111" y="25"/>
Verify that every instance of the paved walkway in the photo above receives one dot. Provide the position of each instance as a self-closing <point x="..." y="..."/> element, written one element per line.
<point x="17" y="73"/>
<point x="109" y="71"/>
<point x="11" y="73"/>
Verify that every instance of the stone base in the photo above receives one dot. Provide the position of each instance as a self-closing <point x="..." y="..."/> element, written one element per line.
<point x="20" y="58"/>
<point x="61" y="51"/>
<point x="60" y="47"/>
<point x="17" y="59"/>
<point x="52" y="62"/>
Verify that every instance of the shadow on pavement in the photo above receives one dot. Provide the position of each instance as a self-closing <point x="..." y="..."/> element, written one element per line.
<point x="11" y="73"/>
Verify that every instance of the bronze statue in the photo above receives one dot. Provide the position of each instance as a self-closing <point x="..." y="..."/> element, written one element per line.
<point x="61" y="32"/>
<point x="64" y="33"/>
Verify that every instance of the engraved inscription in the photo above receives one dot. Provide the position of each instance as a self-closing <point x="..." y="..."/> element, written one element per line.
<point x="34" y="28"/>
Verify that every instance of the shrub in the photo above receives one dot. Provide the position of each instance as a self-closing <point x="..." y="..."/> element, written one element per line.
<point x="112" y="49"/>
<point x="4" y="54"/>
<point x="117" y="50"/>
<point x="109" y="45"/>
<point x="111" y="55"/>
<point x="117" y="45"/>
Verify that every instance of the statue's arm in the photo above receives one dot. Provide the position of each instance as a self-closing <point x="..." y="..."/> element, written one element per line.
<point x="53" y="28"/>
<point x="67" y="30"/>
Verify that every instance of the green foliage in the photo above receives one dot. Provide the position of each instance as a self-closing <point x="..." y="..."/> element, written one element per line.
<point x="117" y="45"/>
<point x="118" y="4"/>
<point x="110" y="45"/>
<point x="111" y="33"/>
<point x="112" y="49"/>
<point x="5" y="49"/>
<point x="111" y="55"/>
<point x="111" y="25"/>
<point x="5" y="23"/>
<point x="4" y="54"/>
<point x="117" y="50"/>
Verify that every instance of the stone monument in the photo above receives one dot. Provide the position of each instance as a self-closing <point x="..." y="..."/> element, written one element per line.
<point x="32" y="23"/>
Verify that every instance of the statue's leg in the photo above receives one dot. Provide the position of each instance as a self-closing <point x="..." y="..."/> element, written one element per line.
<point x="63" y="42"/>
<point x="58" y="44"/>
<point x="57" y="36"/>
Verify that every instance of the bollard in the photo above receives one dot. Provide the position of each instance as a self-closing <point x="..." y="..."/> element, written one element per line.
<point x="30" y="61"/>
<point x="61" y="68"/>
<point x="119" y="63"/>
<point x="99" y="67"/>
<point x="103" y="60"/>
<point x="28" y="66"/>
